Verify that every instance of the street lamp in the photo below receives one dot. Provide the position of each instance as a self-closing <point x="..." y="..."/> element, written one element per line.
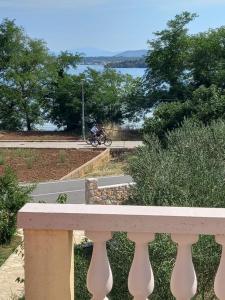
<point x="83" y="121"/>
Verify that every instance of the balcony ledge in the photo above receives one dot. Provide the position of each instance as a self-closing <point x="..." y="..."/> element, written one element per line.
<point x="177" y="220"/>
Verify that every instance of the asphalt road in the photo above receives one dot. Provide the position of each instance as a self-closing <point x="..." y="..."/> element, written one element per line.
<point x="49" y="191"/>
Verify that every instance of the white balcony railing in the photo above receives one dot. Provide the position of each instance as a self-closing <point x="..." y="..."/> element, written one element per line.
<point x="48" y="240"/>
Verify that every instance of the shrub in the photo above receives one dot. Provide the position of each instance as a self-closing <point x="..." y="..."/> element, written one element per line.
<point x="188" y="172"/>
<point x="12" y="198"/>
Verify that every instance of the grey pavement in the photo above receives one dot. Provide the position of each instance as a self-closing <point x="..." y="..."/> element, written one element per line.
<point x="49" y="191"/>
<point x="66" y="145"/>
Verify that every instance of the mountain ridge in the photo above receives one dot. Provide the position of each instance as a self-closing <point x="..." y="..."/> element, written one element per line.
<point x="95" y="52"/>
<point x="132" y="53"/>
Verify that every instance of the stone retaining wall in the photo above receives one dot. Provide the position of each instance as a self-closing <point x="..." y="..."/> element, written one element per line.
<point x="111" y="194"/>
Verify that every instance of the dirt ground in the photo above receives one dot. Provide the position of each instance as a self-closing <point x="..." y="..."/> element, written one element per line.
<point x="34" y="165"/>
<point x="38" y="135"/>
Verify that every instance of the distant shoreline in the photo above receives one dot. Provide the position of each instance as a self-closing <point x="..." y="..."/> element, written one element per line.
<point x="115" y="61"/>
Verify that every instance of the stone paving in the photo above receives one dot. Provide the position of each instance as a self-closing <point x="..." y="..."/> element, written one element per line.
<point x="9" y="272"/>
<point x="13" y="268"/>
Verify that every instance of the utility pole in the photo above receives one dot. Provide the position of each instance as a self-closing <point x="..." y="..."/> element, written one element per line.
<point x="83" y="121"/>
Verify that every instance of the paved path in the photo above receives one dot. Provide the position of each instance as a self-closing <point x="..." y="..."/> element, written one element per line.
<point x="49" y="191"/>
<point x="67" y="145"/>
<point x="9" y="272"/>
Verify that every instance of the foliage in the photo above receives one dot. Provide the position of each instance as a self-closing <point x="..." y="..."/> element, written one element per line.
<point x="105" y="95"/>
<point x="62" y="199"/>
<point x="206" y="105"/>
<point x="185" y="75"/>
<point x="188" y="172"/>
<point x="36" y="85"/>
<point x="167" y="61"/>
<point x="167" y="116"/>
<point x="12" y="198"/>
<point x="25" y="76"/>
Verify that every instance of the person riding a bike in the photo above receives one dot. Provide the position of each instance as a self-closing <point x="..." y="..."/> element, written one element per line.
<point x="98" y="136"/>
<point x="94" y="130"/>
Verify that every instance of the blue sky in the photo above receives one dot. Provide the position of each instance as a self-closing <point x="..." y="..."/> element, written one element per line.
<point x="107" y="24"/>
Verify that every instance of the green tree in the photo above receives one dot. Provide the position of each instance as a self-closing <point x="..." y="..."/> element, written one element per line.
<point x="23" y="76"/>
<point x="206" y="58"/>
<point x="11" y="42"/>
<point x="64" y="104"/>
<point x="105" y="96"/>
<point x="167" y="61"/>
<point x="206" y="105"/>
<point x="28" y="75"/>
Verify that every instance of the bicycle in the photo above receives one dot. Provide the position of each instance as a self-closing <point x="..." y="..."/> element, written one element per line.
<point x="99" y="140"/>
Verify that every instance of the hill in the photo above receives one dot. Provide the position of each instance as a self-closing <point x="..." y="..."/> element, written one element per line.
<point x="132" y="53"/>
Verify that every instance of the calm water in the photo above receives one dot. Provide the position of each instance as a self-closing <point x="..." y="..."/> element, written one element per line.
<point x="134" y="72"/>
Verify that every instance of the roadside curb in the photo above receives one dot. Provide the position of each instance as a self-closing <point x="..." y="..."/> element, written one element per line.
<point x="97" y="161"/>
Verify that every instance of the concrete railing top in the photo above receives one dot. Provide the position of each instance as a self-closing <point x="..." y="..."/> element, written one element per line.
<point x="177" y="220"/>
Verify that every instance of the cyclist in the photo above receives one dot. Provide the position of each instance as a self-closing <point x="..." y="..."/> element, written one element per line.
<point x="94" y="130"/>
<point x="101" y="131"/>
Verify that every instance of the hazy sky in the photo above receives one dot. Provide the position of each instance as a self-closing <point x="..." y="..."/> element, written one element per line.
<point x="106" y="24"/>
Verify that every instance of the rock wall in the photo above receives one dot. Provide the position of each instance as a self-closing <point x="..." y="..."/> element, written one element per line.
<point x="111" y="194"/>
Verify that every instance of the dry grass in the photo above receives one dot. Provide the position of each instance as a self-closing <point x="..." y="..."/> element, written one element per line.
<point x="7" y="250"/>
<point x="113" y="167"/>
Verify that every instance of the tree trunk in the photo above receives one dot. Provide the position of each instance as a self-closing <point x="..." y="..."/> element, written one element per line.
<point x="28" y="123"/>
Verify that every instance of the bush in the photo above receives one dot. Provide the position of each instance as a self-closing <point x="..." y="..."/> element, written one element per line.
<point x="12" y="198"/>
<point x="188" y="172"/>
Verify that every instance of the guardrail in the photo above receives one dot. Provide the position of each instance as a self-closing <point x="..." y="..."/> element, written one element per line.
<point x="48" y="242"/>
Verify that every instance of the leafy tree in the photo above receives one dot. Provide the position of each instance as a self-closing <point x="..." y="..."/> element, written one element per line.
<point x="105" y="96"/>
<point x="64" y="104"/>
<point x="136" y="101"/>
<point x="27" y="75"/>
<point x="23" y="77"/>
<point x="167" y="61"/>
<point x="166" y="117"/>
<point x="11" y="42"/>
<point x="206" y="105"/>
<point x="207" y="59"/>
<point x="106" y="92"/>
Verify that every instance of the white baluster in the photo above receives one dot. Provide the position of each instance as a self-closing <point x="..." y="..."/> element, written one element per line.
<point x="183" y="281"/>
<point x="99" y="277"/>
<point x="219" y="285"/>
<point x="141" y="278"/>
